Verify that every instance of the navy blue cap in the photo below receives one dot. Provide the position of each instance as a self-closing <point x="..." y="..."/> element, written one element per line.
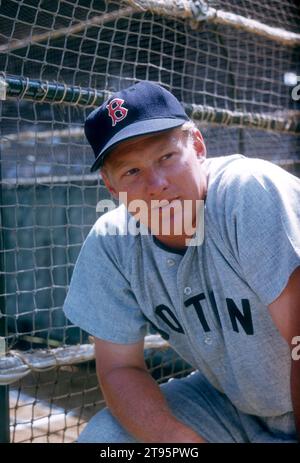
<point x="141" y="109"/>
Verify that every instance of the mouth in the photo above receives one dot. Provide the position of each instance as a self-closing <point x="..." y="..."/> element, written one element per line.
<point x="163" y="203"/>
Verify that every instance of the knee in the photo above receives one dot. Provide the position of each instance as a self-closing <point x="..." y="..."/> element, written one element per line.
<point x="104" y="428"/>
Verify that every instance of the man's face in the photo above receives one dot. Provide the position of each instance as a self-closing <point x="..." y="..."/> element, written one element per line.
<point x="159" y="167"/>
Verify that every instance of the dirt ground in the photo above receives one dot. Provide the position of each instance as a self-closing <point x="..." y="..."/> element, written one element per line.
<point x="54" y="406"/>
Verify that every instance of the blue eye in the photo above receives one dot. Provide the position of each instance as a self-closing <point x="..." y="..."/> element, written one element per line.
<point x="167" y="156"/>
<point x="131" y="172"/>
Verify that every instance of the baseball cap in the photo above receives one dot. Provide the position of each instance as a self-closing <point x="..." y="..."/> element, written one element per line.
<point x="140" y="109"/>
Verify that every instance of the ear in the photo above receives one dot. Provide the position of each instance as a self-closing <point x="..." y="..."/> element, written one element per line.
<point x="103" y="174"/>
<point x="199" y="144"/>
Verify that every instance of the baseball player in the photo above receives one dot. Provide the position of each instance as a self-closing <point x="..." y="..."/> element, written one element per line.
<point x="208" y="252"/>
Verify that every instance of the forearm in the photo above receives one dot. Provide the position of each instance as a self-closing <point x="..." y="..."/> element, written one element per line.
<point x="295" y="392"/>
<point x="136" y="401"/>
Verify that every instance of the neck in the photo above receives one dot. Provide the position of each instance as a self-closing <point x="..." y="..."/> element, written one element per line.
<point x="175" y="242"/>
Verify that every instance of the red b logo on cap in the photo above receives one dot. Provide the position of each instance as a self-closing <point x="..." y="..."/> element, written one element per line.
<point x="116" y="110"/>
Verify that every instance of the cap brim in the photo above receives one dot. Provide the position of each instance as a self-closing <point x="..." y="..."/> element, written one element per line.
<point x="135" y="130"/>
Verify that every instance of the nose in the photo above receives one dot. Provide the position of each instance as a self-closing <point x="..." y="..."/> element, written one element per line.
<point x="155" y="183"/>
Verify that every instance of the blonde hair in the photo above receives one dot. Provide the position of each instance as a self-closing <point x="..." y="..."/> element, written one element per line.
<point x="188" y="126"/>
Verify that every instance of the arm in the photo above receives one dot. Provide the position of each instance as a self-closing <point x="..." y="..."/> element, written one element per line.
<point x="134" y="398"/>
<point x="285" y="311"/>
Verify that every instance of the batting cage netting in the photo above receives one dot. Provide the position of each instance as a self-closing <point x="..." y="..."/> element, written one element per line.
<point x="234" y="64"/>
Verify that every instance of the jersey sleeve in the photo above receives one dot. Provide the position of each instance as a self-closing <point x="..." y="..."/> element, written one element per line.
<point x="262" y="217"/>
<point x="100" y="300"/>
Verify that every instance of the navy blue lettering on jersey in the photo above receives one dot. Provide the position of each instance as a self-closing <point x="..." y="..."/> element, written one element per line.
<point x="244" y="317"/>
<point x="168" y="317"/>
<point x="195" y="303"/>
<point x="241" y="319"/>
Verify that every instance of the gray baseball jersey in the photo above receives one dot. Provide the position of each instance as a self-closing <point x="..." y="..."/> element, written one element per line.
<point x="210" y="302"/>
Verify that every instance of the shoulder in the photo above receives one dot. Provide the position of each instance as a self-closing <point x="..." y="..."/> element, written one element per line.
<point x="248" y="198"/>
<point x="109" y="237"/>
<point x="233" y="178"/>
<point x="112" y="223"/>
